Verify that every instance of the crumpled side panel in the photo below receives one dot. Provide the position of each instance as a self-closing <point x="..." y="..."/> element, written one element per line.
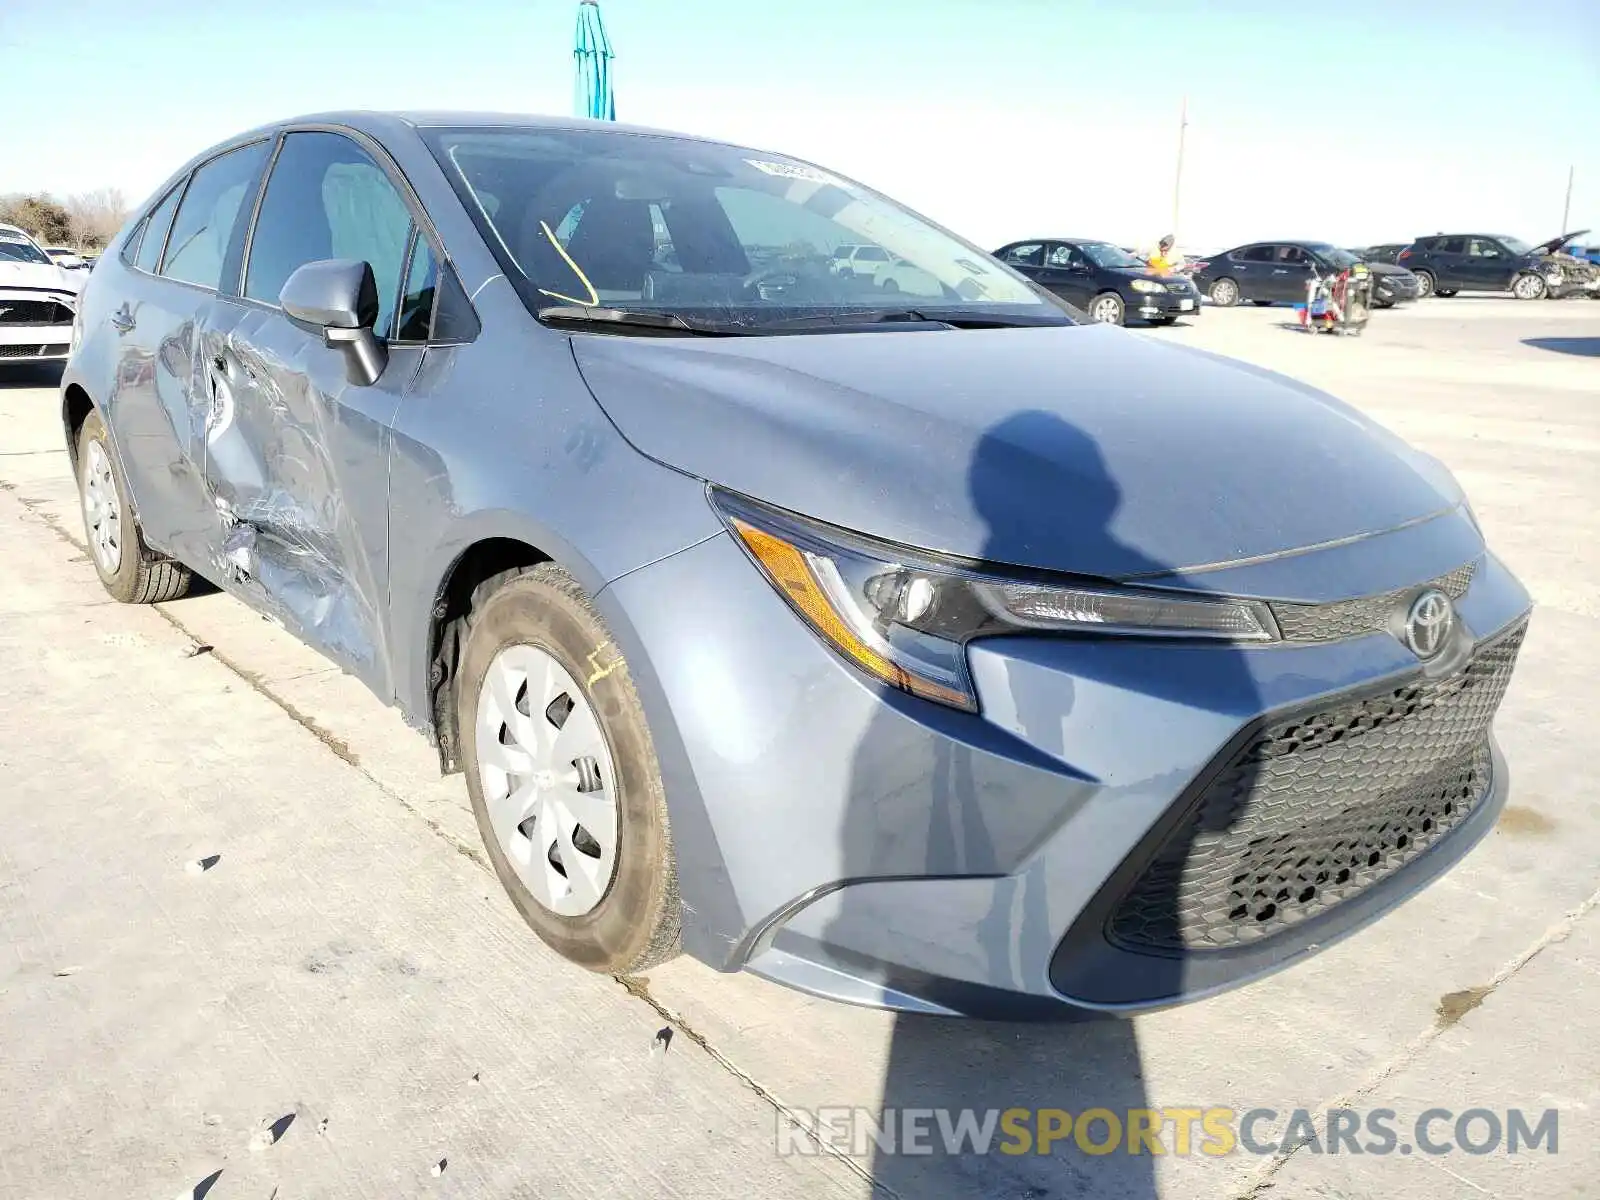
<point x="285" y="455"/>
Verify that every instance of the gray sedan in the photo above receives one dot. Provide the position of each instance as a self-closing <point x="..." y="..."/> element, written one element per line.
<point x="931" y="650"/>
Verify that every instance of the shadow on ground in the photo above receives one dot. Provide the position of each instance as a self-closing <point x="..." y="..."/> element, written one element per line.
<point x="29" y="375"/>
<point x="997" y="1072"/>
<point x="1586" y="347"/>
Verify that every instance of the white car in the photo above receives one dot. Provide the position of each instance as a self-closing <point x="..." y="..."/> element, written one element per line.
<point x="860" y="261"/>
<point x="38" y="301"/>
<point x="66" y="258"/>
<point x="899" y="275"/>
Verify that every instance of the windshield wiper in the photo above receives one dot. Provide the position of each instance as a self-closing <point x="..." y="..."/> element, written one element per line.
<point x="578" y="314"/>
<point x="913" y="316"/>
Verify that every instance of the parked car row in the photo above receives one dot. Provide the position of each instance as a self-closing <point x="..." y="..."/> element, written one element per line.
<point x="1274" y="272"/>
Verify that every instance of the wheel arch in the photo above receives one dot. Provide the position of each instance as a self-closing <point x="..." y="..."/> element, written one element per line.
<point x="76" y="406"/>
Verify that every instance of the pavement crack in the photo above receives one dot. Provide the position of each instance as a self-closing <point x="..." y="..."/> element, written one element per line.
<point x="638" y="986"/>
<point x="336" y="745"/>
<point x="1451" y="1009"/>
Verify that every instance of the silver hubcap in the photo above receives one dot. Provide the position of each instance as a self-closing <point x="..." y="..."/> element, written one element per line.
<point x="547" y="779"/>
<point x="1527" y="287"/>
<point x="1424" y="284"/>
<point x="1106" y="309"/>
<point x="1224" y="293"/>
<point x="102" y="513"/>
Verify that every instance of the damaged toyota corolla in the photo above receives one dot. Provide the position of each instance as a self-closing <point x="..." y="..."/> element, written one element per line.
<point x="937" y="652"/>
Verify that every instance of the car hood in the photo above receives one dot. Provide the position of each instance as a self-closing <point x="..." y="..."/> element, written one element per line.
<point x="1383" y="268"/>
<point x="1086" y="449"/>
<point x="1556" y="243"/>
<point x="38" y="275"/>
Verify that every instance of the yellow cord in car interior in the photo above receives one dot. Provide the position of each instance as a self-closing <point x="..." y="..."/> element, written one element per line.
<point x="594" y="297"/>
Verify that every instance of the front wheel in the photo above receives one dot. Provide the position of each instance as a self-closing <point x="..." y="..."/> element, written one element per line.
<point x="128" y="569"/>
<point x="1529" y="287"/>
<point x="563" y="778"/>
<point x="1106" y="308"/>
<point x="1224" y="293"/>
<point x="889" y="285"/>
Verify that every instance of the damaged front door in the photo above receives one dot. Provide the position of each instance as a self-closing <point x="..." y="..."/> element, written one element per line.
<point x="296" y="455"/>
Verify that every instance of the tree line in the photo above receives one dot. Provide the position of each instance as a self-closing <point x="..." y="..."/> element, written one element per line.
<point x="85" y="221"/>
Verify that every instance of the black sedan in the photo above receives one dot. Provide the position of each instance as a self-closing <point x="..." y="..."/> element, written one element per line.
<point x="1109" y="284"/>
<point x="1271" y="272"/>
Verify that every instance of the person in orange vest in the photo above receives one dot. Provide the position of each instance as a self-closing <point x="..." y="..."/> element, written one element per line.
<point x="1166" y="260"/>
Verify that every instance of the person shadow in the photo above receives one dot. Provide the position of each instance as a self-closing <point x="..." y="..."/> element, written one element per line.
<point x="1035" y="479"/>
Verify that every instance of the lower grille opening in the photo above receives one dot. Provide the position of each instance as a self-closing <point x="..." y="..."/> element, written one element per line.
<point x="1317" y="807"/>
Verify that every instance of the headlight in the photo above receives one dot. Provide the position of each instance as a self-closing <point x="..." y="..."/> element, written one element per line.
<point x="905" y="617"/>
<point x="1148" y="285"/>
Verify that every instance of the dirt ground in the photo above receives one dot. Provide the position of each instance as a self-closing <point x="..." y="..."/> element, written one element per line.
<point x="343" y="1004"/>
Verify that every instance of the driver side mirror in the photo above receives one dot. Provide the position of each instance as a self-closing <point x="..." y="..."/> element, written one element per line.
<point x="339" y="298"/>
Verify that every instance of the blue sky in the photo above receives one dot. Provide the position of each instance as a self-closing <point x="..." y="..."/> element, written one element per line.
<point x="1356" y="121"/>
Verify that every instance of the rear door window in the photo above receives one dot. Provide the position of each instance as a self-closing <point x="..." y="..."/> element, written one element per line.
<point x="209" y="216"/>
<point x="148" y="256"/>
<point x="1255" y="254"/>
<point x="1451" y="245"/>
<point x="1030" y="255"/>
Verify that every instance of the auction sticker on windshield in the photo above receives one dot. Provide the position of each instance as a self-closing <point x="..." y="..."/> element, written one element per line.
<point x="791" y="171"/>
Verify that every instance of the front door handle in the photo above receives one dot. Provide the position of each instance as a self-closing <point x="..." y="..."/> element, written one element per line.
<point x="122" y="320"/>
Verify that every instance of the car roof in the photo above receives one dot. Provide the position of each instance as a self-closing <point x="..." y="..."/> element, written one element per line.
<point x="378" y="122"/>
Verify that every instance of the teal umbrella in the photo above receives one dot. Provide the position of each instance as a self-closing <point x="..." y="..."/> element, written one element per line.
<point x="591" y="54"/>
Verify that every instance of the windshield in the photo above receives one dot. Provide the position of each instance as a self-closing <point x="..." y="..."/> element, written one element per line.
<point x="1104" y="254"/>
<point x="1339" y="259"/>
<point x="13" y="250"/>
<point x="659" y="224"/>
<point x="1515" y="245"/>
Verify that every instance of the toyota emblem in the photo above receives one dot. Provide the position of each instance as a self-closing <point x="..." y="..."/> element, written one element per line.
<point x="1428" y="623"/>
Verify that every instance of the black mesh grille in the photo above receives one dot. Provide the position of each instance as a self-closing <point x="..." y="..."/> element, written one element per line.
<point x="20" y="351"/>
<point x="34" y="312"/>
<point x="1320" y="806"/>
<point x="1354" y="618"/>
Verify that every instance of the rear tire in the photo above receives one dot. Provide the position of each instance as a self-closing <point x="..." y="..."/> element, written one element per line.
<point x="129" y="570"/>
<point x="1224" y="293"/>
<point x="1424" y="284"/>
<point x="633" y="920"/>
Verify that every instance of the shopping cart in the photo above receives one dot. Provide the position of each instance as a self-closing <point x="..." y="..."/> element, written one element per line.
<point x="1340" y="302"/>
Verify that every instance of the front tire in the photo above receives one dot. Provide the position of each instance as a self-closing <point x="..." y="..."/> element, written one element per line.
<point x="563" y="777"/>
<point x="1107" y="309"/>
<point x="129" y="570"/>
<point x="1529" y="287"/>
<point x="1224" y="293"/>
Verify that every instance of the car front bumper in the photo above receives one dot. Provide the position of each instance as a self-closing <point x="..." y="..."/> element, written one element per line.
<point x="1390" y="289"/>
<point x="34" y="325"/>
<point x="1162" y="305"/>
<point x="862" y="845"/>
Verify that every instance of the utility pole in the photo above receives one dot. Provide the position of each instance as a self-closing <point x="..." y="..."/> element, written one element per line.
<point x="1566" y="209"/>
<point x="1177" y="178"/>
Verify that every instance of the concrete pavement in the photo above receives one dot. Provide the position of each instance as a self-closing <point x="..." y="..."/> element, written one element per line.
<point x="349" y="958"/>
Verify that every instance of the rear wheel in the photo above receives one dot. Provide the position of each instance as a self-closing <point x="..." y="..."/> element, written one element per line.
<point x="1529" y="286"/>
<point x="563" y="777"/>
<point x="1424" y="284"/>
<point x="128" y="569"/>
<point x="1224" y="293"/>
<point x="1106" y="308"/>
